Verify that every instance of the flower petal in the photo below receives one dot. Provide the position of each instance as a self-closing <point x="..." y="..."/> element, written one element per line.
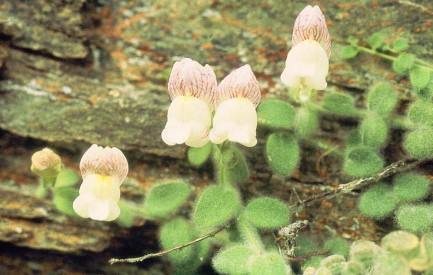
<point x="188" y="121"/>
<point x="311" y="25"/>
<point x="108" y="161"/>
<point x="236" y="120"/>
<point x="307" y="64"/>
<point x="189" y="78"/>
<point x="240" y="83"/>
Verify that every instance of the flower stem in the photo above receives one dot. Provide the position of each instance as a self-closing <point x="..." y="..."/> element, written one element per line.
<point x="41" y="190"/>
<point x="249" y="234"/>
<point x="220" y="166"/>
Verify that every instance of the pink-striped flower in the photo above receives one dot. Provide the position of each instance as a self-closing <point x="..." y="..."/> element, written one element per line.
<point x="192" y="88"/>
<point x="307" y="62"/>
<point x="103" y="170"/>
<point x="235" y="117"/>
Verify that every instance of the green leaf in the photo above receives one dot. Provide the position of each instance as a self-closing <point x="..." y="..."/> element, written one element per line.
<point x="215" y="207"/>
<point x="270" y="263"/>
<point x="400" y="44"/>
<point x="236" y="166"/>
<point x="306" y="123"/>
<point x="403" y="63"/>
<point x="376" y="40"/>
<point x="177" y="232"/>
<point x="382" y="98"/>
<point x="127" y="214"/>
<point x="334" y="263"/>
<point x="198" y="156"/>
<point x="267" y="213"/>
<point x="421" y="112"/>
<point x="362" y="161"/>
<point x="352" y="40"/>
<point x="64" y="198"/>
<point x="409" y="187"/>
<point x="339" y="103"/>
<point x="364" y="252"/>
<point x="348" y="52"/>
<point x="353" y="138"/>
<point x="419" y="77"/>
<point x="164" y="199"/>
<point x="66" y="177"/>
<point x="415" y="218"/>
<point x="283" y="153"/>
<point x="276" y="113"/>
<point x="419" y="143"/>
<point x="374" y="131"/>
<point x="377" y="202"/>
<point x="233" y="260"/>
<point x="338" y="246"/>
<point x="389" y="263"/>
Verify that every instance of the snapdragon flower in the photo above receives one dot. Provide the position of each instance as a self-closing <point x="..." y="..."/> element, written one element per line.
<point x="103" y="170"/>
<point x="192" y="88"/>
<point x="307" y="63"/>
<point x="235" y="117"/>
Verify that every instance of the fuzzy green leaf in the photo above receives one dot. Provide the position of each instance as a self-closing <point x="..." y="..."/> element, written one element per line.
<point x="382" y="98"/>
<point x="419" y="77"/>
<point x="339" y="103"/>
<point x="389" y="263"/>
<point x="177" y="232"/>
<point x="215" y="207"/>
<point x="233" y="260"/>
<point x="283" y="153"/>
<point x="334" y="263"/>
<point x="164" y="199"/>
<point x="415" y="218"/>
<point x="276" y="113"/>
<point x="400" y="44"/>
<point x="267" y="213"/>
<point x="270" y="263"/>
<point x="421" y="112"/>
<point x="403" y="63"/>
<point x="64" y="198"/>
<point x="409" y="187"/>
<point x="127" y="213"/>
<point x="376" y="40"/>
<point x="198" y="156"/>
<point x="374" y="131"/>
<point x="362" y="161"/>
<point x="66" y="177"/>
<point x="306" y="123"/>
<point x="377" y="202"/>
<point x="419" y="143"/>
<point x="364" y="252"/>
<point x="348" y="52"/>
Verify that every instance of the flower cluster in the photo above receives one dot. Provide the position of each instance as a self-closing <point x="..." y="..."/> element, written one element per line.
<point x="195" y="96"/>
<point x="307" y="62"/>
<point x="103" y="171"/>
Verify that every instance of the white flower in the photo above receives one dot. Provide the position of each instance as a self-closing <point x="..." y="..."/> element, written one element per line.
<point x="103" y="171"/>
<point x="192" y="88"/>
<point x="235" y="117"/>
<point x="307" y="62"/>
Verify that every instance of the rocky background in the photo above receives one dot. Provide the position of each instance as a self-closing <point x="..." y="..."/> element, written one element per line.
<point x="76" y="72"/>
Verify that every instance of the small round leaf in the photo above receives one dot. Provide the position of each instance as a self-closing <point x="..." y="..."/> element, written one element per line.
<point x="233" y="260"/>
<point x="198" y="156"/>
<point x="282" y="152"/>
<point x="362" y="161"/>
<point x="382" y="98"/>
<point x="339" y="103"/>
<point x="403" y="63"/>
<point x="306" y="122"/>
<point x="66" y="177"/>
<point x="276" y="113"/>
<point x="421" y="112"/>
<point x="419" y="77"/>
<point x="64" y="198"/>
<point x="177" y="232"/>
<point x="267" y="213"/>
<point x="377" y="202"/>
<point x="415" y="218"/>
<point x="374" y="131"/>
<point x="409" y="187"/>
<point x="270" y="263"/>
<point x="419" y="143"/>
<point x="348" y="52"/>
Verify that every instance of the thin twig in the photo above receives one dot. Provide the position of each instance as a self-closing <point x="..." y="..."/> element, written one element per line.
<point x="164" y="252"/>
<point x="392" y="169"/>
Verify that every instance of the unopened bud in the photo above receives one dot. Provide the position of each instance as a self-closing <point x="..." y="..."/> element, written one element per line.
<point x="46" y="163"/>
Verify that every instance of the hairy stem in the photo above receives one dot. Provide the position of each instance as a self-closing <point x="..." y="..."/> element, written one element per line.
<point x="165" y="252"/>
<point x="249" y="234"/>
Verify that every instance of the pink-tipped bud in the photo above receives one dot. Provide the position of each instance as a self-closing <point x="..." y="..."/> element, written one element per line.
<point x="311" y="25"/>
<point x="189" y="78"/>
<point x="240" y="83"/>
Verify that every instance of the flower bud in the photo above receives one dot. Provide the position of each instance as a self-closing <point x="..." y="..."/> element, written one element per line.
<point x="46" y="163"/>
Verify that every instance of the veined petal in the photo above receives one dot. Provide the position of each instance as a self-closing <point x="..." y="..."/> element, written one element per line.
<point x="240" y="83"/>
<point x="108" y="161"/>
<point x="189" y="78"/>
<point x="311" y="25"/>
<point x="188" y="121"/>
<point x="307" y="65"/>
<point x="236" y="120"/>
